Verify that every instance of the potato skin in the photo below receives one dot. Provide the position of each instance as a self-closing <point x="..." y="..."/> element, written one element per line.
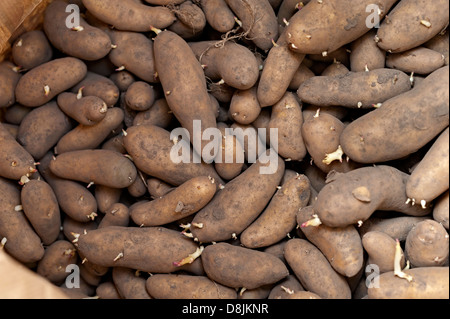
<point x="103" y="245"/>
<point x="419" y="60"/>
<point x="405" y="19"/>
<point x="8" y="82"/>
<point x="234" y="266"/>
<point x="102" y="167"/>
<point x="366" y="53"/>
<point x="31" y="49"/>
<point x="90" y="44"/>
<point x="57" y="257"/>
<point x="427" y="283"/>
<point x="378" y="135"/>
<point x="218" y="15"/>
<point x="314" y="271"/>
<point x="129" y="15"/>
<point x="58" y="75"/>
<point x="173" y="286"/>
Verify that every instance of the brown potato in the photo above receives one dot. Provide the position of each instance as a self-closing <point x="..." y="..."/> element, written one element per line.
<point x="395" y="227"/>
<point x="218" y="15"/>
<point x="285" y="287"/>
<point x="106" y="196"/>
<point x="116" y="214"/>
<point x="244" y="106"/>
<point x="365" y="53"/>
<point x="159" y="115"/>
<point x="440" y="43"/>
<point x="441" y="211"/>
<point x="97" y="85"/>
<point x="122" y="79"/>
<point x="227" y="166"/>
<point x="128" y="284"/>
<point x="190" y="20"/>
<point x="15" y="114"/>
<point x="31" y="49"/>
<point x="107" y="290"/>
<point x="302" y="74"/>
<point x="419" y="60"/>
<point x="381" y="250"/>
<point x="86" y="110"/>
<point x="9" y="77"/>
<point x="140" y="96"/>
<point x="157" y="188"/>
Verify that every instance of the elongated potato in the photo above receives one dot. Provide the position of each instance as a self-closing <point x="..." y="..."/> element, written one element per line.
<point x="106" y="196"/>
<point x="41" y="84"/>
<point x="427" y="283"/>
<point x="427" y="244"/>
<point x="314" y="271"/>
<point x="258" y="21"/>
<point x="151" y="147"/>
<point x="102" y="167"/>
<point x="234" y="266"/>
<point x="128" y="247"/>
<point x="279" y="218"/>
<point x="218" y="15"/>
<point x="171" y="286"/>
<point x="355" y="89"/>
<point x="422" y="18"/>
<point x="9" y="77"/>
<point x="441" y="211"/>
<point x="381" y="250"/>
<point x="395" y="227"/>
<point x="186" y="93"/>
<point x="419" y="60"/>
<point x="86" y="42"/>
<point x="352" y="197"/>
<point x="185" y="200"/>
<point x="232" y="209"/>
<point x="97" y="85"/>
<point x="41" y="129"/>
<point x="85" y="110"/>
<point x="15" y="161"/>
<point x="41" y="208"/>
<point x="340" y="23"/>
<point x="22" y="242"/>
<point x="128" y="284"/>
<point x="230" y="159"/>
<point x="340" y="245"/>
<point x="366" y="54"/>
<point x="31" y="49"/>
<point x="402" y="125"/>
<point x="429" y="178"/>
<point x="117" y="214"/>
<point x="130" y="15"/>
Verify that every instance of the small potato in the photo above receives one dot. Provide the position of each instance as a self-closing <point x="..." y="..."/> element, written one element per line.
<point x="115" y="143"/>
<point x="159" y="114"/>
<point x="85" y="110"/>
<point x="31" y="49"/>
<point x="185" y="200"/>
<point x="234" y="266"/>
<point x="16" y="113"/>
<point x="106" y="196"/>
<point x="128" y="284"/>
<point x="355" y="89"/>
<point x="122" y="79"/>
<point x="302" y="74"/>
<point x="102" y="167"/>
<point x="140" y="96"/>
<point x="244" y="106"/>
<point x="190" y="20"/>
<point x="138" y="187"/>
<point x="285" y="288"/>
<point x="157" y="188"/>
<point x="9" y="77"/>
<point x="218" y="15"/>
<point x="419" y="60"/>
<point x="365" y="53"/>
<point x="107" y="290"/>
<point x="97" y="85"/>
<point x="41" y="129"/>
<point x="41" y="208"/>
<point x="227" y="166"/>
<point x="116" y="215"/>
<point x="381" y="250"/>
<point x="171" y="286"/>
<point x="41" y="84"/>
<point x="427" y="283"/>
<point x="441" y="211"/>
<point x="314" y="271"/>
<point x="427" y="244"/>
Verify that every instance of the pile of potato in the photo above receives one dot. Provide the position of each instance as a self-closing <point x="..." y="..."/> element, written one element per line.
<point x="358" y="204"/>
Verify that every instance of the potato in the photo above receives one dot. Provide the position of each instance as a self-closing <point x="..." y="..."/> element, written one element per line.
<point x="41" y="129"/>
<point x="140" y="96"/>
<point x="15" y="161"/>
<point x="440" y="43"/>
<point x="244" y="106"/>
<point x="429" y="178"/>
<point x="287" y="9"/>
<point x="102" y="167"/>
<point x="285" y="287"/>
<point x="57" y="257"/>
<point x="15" y="114"/>
<point x="164" y="2"/>
<point x="12" y="129"/>
<point x="440" y="210"/>
<point x="74" y="199"/>
<point x="340" y="245"/>
<point x="116" y="214"/>
<point x="9" y="77"/>
<point x="173" y="286"/>
<point x="395" y="227"/>
<point x="257" y="293"/>
<point x="41" y="84"/>
<point x="303" y="295"/>
<point x="184" y="86"/>
<point x="258" y="21"/>
<point x="231" y="62"/>
<point x="251" y="139"/>
<point x="314" y="271"/>
<point x="41" y="208"/>
<point x="226" y="166"/>
<point x="422" y="18"/>
<point x="279" y="218"/>
<point x="90" y="137"/>
<point x="138" y="187"/>
<point x="262" y="122"/>
<point x="185" y="200"/>
<point x="107" y="290"/>
<point x="221" y="91"/>
<point x="122" y="79"/>
<point x="191" y="20"/>
<point x="129" y="15"/>
<point x="427" y="283"/>
<point x="279" y="69"/>
<point x="381" y="250"/>
<point x="97" y="85"/>
<point x="287" y="119"/>
<point x="106" y="196"/>
<point x="402" y="125"/>
<point x="345" y="22"/>
<point x="218" y="15"/>
<point x="338" y="112"/>
<point x="117" y="246"/>
<point x="21" y="241"/>
<point x="427" y="244"/>
<point x="234" y="266"/>
<point x="355" y="89"/>
<point x="352" y="197"/>
<point x="157" y="188"/>
<point x="72" y="229"/>
<point x="150" y="147"/>
<point x="340" y="55"/>
<point x="302" y="74"/>
<point x="85" y="42"/>
<point x="159" y="114"/>
<point x="365" y="53"/>
<point x="233" y="208"/>
<point x="89" y="278"/>
<point x="334" y="69"/>
<point x="31" y="49"/>
<point x="419" y="60"/>
<point x="86" y="110"/>
<point x="134" y="53"/>
<point x="128" y="284"/>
